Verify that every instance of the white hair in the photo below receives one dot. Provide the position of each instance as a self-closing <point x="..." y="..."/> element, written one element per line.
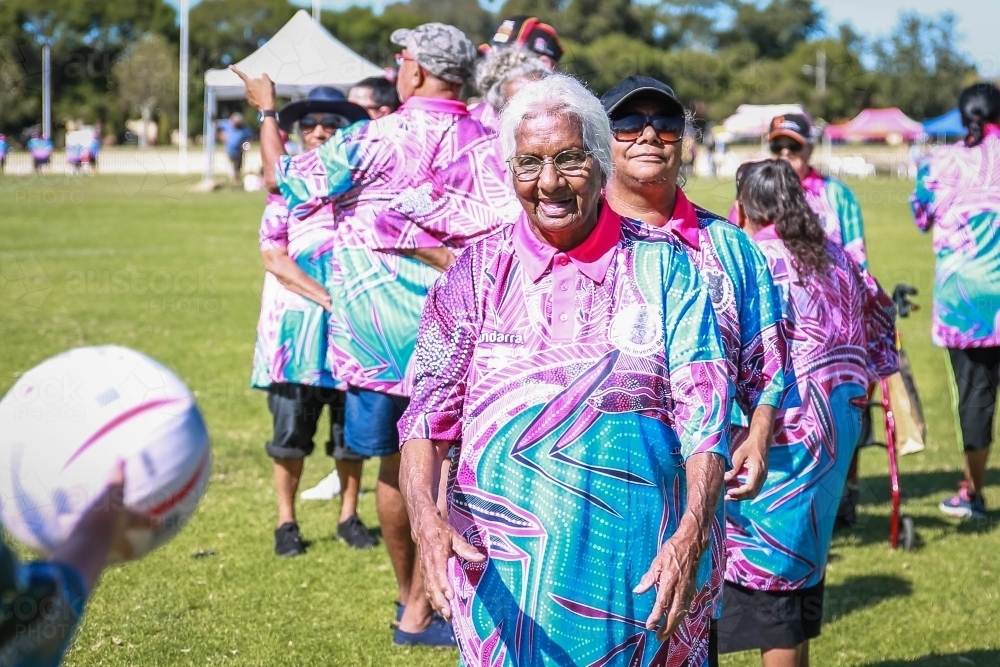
<point x="503" y="65"/>
<point x="560" y="95"/>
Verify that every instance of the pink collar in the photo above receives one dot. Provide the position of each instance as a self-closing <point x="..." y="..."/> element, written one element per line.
<point x="769" y="233"/>
<point x="683" y="221"/>
<point x="991" y="130"/>
<point x="592" y="257"/>
<point x="455" y="107"/>
<point x="814" y="182"/>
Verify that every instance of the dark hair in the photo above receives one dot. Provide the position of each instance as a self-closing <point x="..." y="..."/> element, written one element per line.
<point x="979" y="105"/>
<point x="383" y="91"/>
<point x="770" y="191"/>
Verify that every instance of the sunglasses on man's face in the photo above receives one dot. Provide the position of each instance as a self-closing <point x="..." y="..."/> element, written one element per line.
<point x="329" y="121"/>
<point x="785" y="144"/>
<point x="668" y="129"/>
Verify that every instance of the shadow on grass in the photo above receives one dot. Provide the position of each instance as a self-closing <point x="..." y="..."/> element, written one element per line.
<point x="977" y="658"/>
<point x="913" y="484"/>
<point x="857" y="593"/>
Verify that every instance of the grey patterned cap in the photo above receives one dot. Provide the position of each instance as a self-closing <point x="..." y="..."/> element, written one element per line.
<point x="443" y="50"/>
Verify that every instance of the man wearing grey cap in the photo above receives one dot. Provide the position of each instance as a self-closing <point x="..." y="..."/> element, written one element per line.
<point x="379" y="178"/>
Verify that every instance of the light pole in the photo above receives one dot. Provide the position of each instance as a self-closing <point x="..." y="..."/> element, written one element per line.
<point x="182" y="111"/>
<point x="46" y="90"/>
<point x="315" y="4"/>
<point x="819" y="71"/>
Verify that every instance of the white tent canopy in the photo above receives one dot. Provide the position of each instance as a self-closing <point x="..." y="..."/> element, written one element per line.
<point x="752" y="120"/>
<point x="299" y="57"/>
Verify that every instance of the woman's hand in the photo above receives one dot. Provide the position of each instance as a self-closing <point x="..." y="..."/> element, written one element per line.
<point x="260" y="91"/>
<point x="673" y="572"/>
<point x="751" y="458"/>
<point x="437" y="542"/>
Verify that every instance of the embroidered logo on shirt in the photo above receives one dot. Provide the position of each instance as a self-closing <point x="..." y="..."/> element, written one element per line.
<point x="720" y="291"/>
<point x="637" y="329"/>
<point x="502" y="338"/>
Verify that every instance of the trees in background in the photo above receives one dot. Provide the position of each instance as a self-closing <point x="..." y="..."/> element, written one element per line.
<point x="716" y="53"/>
<point x="146" y="80"/>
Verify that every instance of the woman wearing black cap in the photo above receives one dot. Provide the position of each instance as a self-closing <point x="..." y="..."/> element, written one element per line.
<point x="290" y="360"/>
<point x="958" y="194"/>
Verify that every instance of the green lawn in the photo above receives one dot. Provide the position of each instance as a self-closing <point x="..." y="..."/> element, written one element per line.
<point x="141" y="263"/>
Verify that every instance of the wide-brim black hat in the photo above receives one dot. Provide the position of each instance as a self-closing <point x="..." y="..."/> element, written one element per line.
<point x="320" y="100"/>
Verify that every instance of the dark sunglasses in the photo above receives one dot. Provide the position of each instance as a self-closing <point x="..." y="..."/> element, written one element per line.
<point x="330" y="121"/>
<point x="668" y="129"/>
<point x="742" y="173"/>
<point x="785" y="143"/>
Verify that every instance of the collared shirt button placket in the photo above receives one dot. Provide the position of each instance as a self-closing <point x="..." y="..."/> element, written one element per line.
<point x="563" y="276"/>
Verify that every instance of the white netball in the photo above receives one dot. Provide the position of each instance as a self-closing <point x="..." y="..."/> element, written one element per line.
<point x="67" y="422"/>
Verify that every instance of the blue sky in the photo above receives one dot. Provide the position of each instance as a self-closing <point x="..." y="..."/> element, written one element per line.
<point x="978" y="20"/>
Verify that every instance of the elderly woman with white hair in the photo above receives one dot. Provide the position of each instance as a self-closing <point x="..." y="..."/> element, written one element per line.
<point x="499" y="76"/>
<point x="574" y="362"/>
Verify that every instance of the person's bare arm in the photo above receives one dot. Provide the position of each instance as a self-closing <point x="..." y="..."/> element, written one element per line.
<point x="261" y="96"/>
<point x="675" y="567"/>
<point x="437" y="541"/>
<point x="751" y="455"/>
<point x="438" y="258"/>
<point x="293" y="278"/>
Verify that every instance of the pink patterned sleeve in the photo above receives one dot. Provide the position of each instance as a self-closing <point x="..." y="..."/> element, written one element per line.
<point x="274" y="224"/>
<point x="446" y="341"/>
<point x="700" y="386"/>
<point x="879" y="323"/>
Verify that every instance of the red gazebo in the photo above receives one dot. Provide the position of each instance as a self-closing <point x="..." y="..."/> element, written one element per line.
<point x="877" y="125"/>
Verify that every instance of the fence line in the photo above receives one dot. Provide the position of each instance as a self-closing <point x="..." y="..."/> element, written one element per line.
<point x="133" y="161"/>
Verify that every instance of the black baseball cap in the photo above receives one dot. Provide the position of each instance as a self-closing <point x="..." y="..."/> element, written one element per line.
<point x="792" y="125"/>
<point x="641" y="86"/>
<point x="530" y="33"/>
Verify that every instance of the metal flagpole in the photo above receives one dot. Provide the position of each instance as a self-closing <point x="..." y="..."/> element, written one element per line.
<point x="46" y="92"/>
<point x="315" y="4"/>
<point x="182" y="111"/>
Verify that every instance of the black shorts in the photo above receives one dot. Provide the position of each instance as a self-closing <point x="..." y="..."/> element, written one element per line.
<point x="976" y="370"/>
<point x="295" y="410"/>
<point x="768" y="619"/>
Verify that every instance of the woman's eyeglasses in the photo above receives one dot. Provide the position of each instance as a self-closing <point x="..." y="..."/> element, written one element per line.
<point x="402" y="58"/>
<point x="329" y="121"/>
<point x="785" y="144"/>
<point x="570" y="162"/>
<point x="668" y="129"/>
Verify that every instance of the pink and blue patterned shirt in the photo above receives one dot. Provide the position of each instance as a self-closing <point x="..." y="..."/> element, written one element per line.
<point x="575" y="385"/>
<point x="958" y="194"/>
<point x="377" y="176"/>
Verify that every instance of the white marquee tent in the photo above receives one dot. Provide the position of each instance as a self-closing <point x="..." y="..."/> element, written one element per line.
<point x="300" y="56"/>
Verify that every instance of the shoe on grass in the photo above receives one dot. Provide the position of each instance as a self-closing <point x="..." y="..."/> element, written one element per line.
<point x="964" y="505"/>
<point x="327" y="489"/>
<point x="438" y="633"/>
<point x="355" y="534"/>
<point x="288" y="541"/>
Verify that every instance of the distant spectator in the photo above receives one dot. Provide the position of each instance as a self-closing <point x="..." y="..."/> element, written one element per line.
<point x="530" y="33"/>
<point x="235" y="135"/>
<point x="376" y="94"/>
<point x="40" y="148"/>
<point x="958" y="194"/>
<point x="3" y="152"/>
<point x="499" y="75"/>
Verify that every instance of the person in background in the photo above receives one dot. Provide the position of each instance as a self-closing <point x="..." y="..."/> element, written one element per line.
<point x="290" y="360"/>
<point x="529" y="33"/>
<point x="41" y="603"/>
<point x="841" y="335"/>
<point x="958" y="195"/>
<point x="95" y="147"/>
<point x="499" y="75"/>
<point x="647" y="130"/>
<point x="376" y="95"/>
<point x="3" y="152"/>
<point x="40" y="148"/>
<point x="573" y="361"/>
<point x="373" y="174"/>
<point x="790" y="138"/>
<point x="235" y="136"/>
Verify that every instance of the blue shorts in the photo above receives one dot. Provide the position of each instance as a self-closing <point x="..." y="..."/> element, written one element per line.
<point x="370" y="421"/>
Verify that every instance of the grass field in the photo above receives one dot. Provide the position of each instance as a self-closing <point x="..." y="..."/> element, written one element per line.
<point x="137" y="262"/>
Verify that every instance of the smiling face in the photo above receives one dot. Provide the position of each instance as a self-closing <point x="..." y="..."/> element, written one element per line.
<point x="647" y="160"/>
<point x="562" y="209"/>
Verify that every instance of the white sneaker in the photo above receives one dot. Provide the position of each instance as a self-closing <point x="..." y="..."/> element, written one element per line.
<point x="327" y="489"/>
